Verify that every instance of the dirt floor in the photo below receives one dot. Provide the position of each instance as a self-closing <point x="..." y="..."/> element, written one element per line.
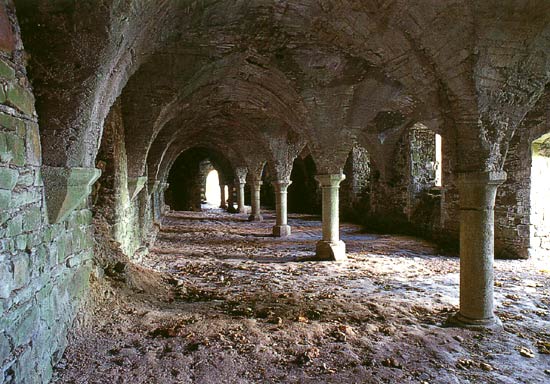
<point x="219" y="300"/>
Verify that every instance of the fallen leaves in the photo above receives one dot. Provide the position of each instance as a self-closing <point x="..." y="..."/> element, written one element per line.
<point x="468" y="363"/>
<point x="543" y="347"/>
<point x="390" y="362"/>
<point x="525" y="352"/>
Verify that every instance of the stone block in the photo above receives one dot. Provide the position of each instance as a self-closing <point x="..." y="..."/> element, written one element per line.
<point x="16" y="150"/>
<point x="3" y="215"/>
<point x="523" y="230"/>
<point x="34" y="149"/>
<point x="20" y="98"/>
<point x="9" y="122"/>
<point x="5" y="347"/>
<point x="15" y="226"/>
<point x="330" y="251"/>
<point x="3" y="96"/>
<point x="6" y="281"/>
<point x="21" y="271"/>
<point x="32" y="219"/>
<point x="21" y="242"/>
<point x="5" y="198"/>
<point x="8" y="178"/>
<point x="3" y="144"/>
<point x="61" y="246"/>
<point x="6" y="71"/>
<point x="26" y="178"/>
<point x="38" y="178"/>
<point x="281" y="230"/>
<point x="66" y="189"/>
<point x="25" y="197"/>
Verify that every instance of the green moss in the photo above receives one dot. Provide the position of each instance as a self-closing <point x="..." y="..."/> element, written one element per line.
<point x="20" y="98"/>
<point x="6" y="71"/>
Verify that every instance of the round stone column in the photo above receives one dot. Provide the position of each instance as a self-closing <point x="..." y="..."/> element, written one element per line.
<point x="240" y="198"/>
<point x="331" y="247"/>
<point x="256" y="215"/>
<point x="477" y="200"/>
<point x="223" y="198"/>
<point x="281" y="228"/>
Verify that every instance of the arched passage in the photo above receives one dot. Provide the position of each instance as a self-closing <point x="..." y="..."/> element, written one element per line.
<point x="192" y="175"/>
<point x="304" y="195"/>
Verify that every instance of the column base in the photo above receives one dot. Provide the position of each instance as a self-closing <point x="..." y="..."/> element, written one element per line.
<point x="460" y="321"/>
<point x="330" y="251"/>
<point x="281" y="230"/>
<point x="223" y="206"/>
<point x="256" y="217"/>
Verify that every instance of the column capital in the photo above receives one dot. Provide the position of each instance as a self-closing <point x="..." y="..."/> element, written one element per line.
<point x="281" y="184"/>
<point x="240" y="175"/>
<point x="256" y="183"/>
<point x="477" y="190"/>
<point x="481" y="178"/>
<point x="330" y="180"/>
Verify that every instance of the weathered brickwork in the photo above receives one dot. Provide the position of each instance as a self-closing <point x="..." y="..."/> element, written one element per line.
<point x="354" y="189"/>
<point x="125" y="208"/>
<point x="44" y="268"/>
<point x="399" y="195"/>
<point x="519" y="220"/>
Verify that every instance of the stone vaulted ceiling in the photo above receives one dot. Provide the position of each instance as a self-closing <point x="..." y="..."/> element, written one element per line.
<point x="248" y="75"/>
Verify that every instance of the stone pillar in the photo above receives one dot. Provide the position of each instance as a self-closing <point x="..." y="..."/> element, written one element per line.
<point x="331" y="247"/>
<point x="223" y="198"/>
<point x="240" y="198"/>
<point x="255" y="187"/>
<point x="162" y="205"/>
<point x="240" y="181"/>
<point x="281" y="228"/>
<point x="477" y="200"/>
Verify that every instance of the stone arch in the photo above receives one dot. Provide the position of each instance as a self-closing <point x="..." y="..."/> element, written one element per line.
<point x="185" y="178"/>
<point x="304" y="195"/>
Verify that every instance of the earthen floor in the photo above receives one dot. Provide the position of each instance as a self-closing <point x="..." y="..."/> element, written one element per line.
<point x="244" y="307"/>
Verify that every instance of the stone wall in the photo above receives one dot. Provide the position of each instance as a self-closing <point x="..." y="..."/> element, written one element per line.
<point x="519" y="230"/>
<point x="44" y="268"/>
<point x="512" y="207"/>
<point x="354" y="190"/>
<point x="398" y="195"/>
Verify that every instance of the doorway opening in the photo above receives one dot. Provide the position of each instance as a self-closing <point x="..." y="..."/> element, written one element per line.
<point x="540" y="196"/>
<point x="212" y="190"/>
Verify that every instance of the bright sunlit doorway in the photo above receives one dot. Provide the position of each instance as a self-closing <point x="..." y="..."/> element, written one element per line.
<point x="213" y="194"/>
<point x="540" y="196"/>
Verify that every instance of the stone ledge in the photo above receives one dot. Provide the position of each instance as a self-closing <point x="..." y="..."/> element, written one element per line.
<point x="135" y="185"/>
<point x="152" y="186"/>
<point x="66" y="189"/>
